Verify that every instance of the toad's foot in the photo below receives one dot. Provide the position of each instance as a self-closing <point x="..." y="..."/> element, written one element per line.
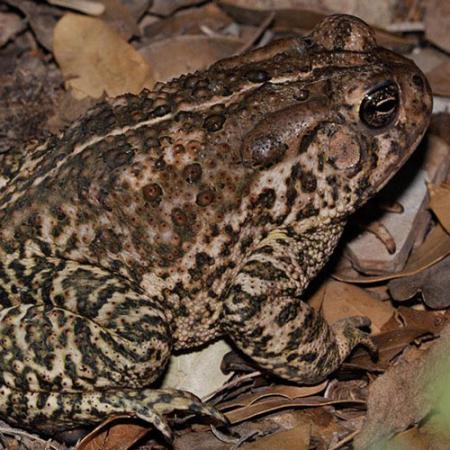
<point x="84" y="408"/>
<point x="349" y="334"/>
<point x="151" y="405"/>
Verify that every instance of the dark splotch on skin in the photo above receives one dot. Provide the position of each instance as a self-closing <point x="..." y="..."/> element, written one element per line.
<point x="200" y="209"/>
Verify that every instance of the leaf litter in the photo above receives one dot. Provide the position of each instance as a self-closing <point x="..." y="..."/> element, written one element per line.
<point x="113" y="47"/>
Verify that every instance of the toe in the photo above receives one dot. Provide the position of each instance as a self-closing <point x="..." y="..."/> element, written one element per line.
<point x="158" y="421"/>
<point x="209" y="411"/>
<point x="368" y="342"/>
<point x="173" y="401"/>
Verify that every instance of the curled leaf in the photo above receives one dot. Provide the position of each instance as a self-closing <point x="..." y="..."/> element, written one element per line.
<point x="435" y="248"/>
<point x="440" y="203"/>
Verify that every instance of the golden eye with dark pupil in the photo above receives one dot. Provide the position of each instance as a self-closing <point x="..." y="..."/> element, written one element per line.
<point x="379" y="107"/>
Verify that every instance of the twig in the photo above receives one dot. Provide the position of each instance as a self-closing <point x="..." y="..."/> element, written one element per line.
<point x="406" y="27"/>
<point x="84" y="6"/>
<point x="231" y="384"/>
<point x="15" y="432"/>
<point x="258" y="33"/>
<point x="245" y="438"/>
<point x="343" y="441"/>
<point x="413" y="9"/>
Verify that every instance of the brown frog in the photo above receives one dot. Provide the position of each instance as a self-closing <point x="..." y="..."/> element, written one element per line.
<point x="201" y="209"/>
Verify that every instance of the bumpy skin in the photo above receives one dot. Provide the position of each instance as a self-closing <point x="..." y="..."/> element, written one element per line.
<point x="204" y="208"/>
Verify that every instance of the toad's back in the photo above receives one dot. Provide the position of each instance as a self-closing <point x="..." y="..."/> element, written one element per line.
<point x="204" y="207"/>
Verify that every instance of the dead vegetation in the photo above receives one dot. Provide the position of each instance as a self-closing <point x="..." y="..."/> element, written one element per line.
<point x="57" y="58"/>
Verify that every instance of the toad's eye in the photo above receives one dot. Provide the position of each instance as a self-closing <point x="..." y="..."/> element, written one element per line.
<point x="379" y="107"/>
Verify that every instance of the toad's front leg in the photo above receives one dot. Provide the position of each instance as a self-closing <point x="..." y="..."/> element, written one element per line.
<point x="88" y="348"/>
<point x="266" y="319"/>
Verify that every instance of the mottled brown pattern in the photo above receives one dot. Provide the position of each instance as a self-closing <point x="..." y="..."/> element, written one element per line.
<point x="200" y="209"/>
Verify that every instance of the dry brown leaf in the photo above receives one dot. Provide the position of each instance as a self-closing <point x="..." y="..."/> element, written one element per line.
<point x="287" y="391"/>
<point x="120" y="18"/>
<point x="435" y="248"/>
<point x="427" y="58"/>
<point x="296" y="438"/>
<point x="285" y="15"/>
<point x="411" y="439"/>
<point x="113" y="434"/>
<point x="435" y="431"/>
<point x="433" y="321"/>
<point x="395" y="42"/>
<point x="304" y="20"/>
<point x="297" y="15"/>
<point x="344" y="389"/>
<point x="440" y="128"/>
<point x="376" y="13"/>
<point x="389" y="344"/>
<point x="138" y="8"/>
<point x="322" y="421"/>
<point x="437" y="23"/>
<point x="187" y="54"/>
<point x="318" y="296"/>
<point x="378" y="291"/>
<point x="186" y="22"/>
<point x="89" y="7"/>
<point x="433" y="285"/>
<point x="10" y="26"/>
<point x="67" y="111"/>
<point x="440" y="203"/>
<point x="344" y="300"/>
<point x="439" y="79"/>
<point x="404" y="327"/>
<point x="95" y="60"/>
<point x="42" y="18"/>
<point x="276" y="404"/>
<point x="405" y="394"/>
<point x="166" y="8"/>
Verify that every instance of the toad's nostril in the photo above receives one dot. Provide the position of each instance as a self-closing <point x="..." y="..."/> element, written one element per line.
<point x="418" y="81"/>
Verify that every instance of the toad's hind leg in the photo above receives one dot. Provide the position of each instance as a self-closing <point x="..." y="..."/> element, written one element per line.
<point x="88" y="348"/>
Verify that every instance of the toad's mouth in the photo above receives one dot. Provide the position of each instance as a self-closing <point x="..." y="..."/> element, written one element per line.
<point x="379" y="179"/>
